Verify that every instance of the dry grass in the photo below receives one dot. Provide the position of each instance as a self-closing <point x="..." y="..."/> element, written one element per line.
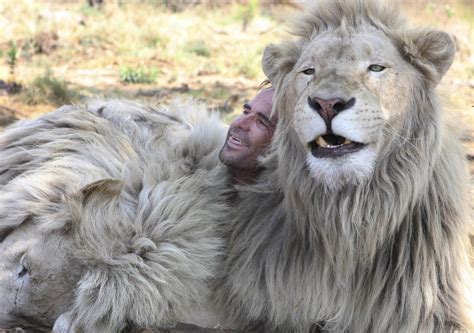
<point x="88" y="47"/>
<point x="199" y="48"/>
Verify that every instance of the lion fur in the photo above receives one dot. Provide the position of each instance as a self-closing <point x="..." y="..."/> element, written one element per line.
<point x="133" y="195"/>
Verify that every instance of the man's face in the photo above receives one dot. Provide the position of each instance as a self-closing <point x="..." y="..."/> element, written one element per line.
<point x="250" y="133"/>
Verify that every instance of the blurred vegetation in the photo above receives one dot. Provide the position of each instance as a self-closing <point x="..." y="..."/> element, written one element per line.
<point x="199" y="48"/>
<point x="247" y="12"/>
<point x="137" y="50"/>
<point x="47" y="89"/>
<point x="138" y="75"/>
<point x="12" y="57"/>
<point x="209" y="49"/>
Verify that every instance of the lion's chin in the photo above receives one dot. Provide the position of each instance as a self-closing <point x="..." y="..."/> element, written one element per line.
<point x="354" y="168"/>
<point x="333" y="146"/>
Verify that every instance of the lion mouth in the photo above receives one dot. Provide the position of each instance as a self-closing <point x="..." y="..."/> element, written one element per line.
<point x="330" y="145"/>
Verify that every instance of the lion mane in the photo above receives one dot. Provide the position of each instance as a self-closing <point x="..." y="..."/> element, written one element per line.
<point x="372" y="241"/>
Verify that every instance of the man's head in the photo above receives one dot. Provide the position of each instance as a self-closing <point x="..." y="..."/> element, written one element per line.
<point x="248" y="136"/>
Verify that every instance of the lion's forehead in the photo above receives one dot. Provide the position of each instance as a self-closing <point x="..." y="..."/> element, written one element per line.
<point x="17" y="242"/>
<point x="336" y="49"/>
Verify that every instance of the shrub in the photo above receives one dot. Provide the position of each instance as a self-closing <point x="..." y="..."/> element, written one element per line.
<point x="12" y="58"/>
<point x="246" y="13"/>
<point x="199" y="48"/>
<point x="47" y="89"/>
<point x="138" y="75"/>
<point x="249" y="66"/>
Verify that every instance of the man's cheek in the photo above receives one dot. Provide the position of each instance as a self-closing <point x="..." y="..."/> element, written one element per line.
<point x="267" y="139"/>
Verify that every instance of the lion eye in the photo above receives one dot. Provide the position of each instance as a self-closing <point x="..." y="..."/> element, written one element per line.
<point x="376" y="68"/>
<point x="24" y="270"/>
<point x="308" y="71"/>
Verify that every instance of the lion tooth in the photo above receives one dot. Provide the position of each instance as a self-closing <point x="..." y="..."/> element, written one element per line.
<point x="347" y="141"/>
<point x="321" y="142"/>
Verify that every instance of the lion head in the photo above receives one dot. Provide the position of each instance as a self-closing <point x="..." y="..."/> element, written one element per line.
<point x="37" y="278"/>
<point x="349" y="84"/>
<point x="38" y="268"/>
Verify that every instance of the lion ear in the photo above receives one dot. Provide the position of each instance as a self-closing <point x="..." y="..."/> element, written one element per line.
<point x="279" y="59"/>
<point x="67" y="214"/>
<point x="432" y="51"/>
<point x="103" y="189"/>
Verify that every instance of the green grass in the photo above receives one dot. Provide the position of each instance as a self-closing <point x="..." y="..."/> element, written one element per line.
<point x="90" y="11"/>
<point x="199" y="48"/>
<point x="47" y="89"/>
<point x="155" y="40"/>
<point x="139" y="75"/>
<point x="12" y="57"/>
<point x="249" y="66"/>
<point x="466" y="12"/>
<point x="219" y="92"/>
<point x="246" y="13"/>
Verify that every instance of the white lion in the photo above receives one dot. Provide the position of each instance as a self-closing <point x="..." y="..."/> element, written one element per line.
<point x="109" y="217"/>
<point x="358" y="223"/>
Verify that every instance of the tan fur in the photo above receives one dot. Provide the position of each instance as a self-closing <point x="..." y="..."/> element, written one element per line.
<point x="109" y="214"/>
<point x="372" y="241"/>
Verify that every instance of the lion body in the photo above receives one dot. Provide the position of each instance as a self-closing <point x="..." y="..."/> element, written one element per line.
<point x="371" y="241"/>
<point x="109" y="215"/>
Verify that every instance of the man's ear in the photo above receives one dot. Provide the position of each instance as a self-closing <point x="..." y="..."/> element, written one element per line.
<point x="431" y="51"/>
<point x="279" y="59"/>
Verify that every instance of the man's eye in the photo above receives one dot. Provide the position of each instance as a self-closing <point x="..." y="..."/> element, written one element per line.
<point x="308" y="71"/>
<point x="263" y="122"/>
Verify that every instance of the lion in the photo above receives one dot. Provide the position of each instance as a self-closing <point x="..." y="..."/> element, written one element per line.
<point x="358" y="223"/>
<point x="110" y="217"/>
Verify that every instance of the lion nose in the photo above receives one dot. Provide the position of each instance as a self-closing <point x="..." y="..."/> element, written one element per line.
<point x="329" y="108"/>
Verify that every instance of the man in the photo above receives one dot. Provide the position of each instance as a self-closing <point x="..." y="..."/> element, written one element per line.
<point x="248" y="137"/>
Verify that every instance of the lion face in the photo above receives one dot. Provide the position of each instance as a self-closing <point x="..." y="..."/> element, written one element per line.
<point x="346" y="97"/>
<point x="36" y="278"/>
<point x="347" y="92"/>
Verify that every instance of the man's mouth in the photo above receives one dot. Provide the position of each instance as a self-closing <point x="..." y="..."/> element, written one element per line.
<point x="331" y="145"/>
<point x="235" y="142"/>
<point x="233" y="138"/>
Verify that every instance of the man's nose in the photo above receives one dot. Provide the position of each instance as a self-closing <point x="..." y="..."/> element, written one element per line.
<point x="244" y="122"/>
